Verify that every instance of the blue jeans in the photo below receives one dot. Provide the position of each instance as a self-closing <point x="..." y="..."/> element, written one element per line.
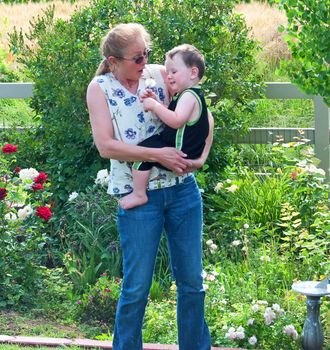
<point x="178" y="209"/>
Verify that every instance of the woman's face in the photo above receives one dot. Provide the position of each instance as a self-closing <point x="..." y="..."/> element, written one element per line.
<point x="134" y="59"/>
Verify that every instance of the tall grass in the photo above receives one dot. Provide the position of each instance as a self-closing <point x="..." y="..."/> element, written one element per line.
<point x="20" y="15"/>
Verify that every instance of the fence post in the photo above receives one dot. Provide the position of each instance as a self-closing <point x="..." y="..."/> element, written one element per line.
<point x="322" y="129"/>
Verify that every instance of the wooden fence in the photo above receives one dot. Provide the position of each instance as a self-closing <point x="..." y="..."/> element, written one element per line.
<point x="319" y="135"/>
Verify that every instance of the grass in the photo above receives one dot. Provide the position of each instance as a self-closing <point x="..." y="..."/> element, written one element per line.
<point x="283" y="114"/>
<point x="16" y="112"/>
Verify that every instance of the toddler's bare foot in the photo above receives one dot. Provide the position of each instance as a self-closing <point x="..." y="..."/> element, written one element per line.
<point x="133" y="200"/>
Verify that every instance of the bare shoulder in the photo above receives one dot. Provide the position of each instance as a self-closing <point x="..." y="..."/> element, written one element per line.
<point x="94" y="92"/>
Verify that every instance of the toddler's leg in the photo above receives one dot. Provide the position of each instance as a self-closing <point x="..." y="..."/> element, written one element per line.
<point x="139" y="195"/>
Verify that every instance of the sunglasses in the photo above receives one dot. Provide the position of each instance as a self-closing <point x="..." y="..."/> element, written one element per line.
<point x="138" y="59"/>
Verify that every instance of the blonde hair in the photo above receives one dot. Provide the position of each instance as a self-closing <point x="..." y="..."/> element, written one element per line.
<point x="191" y="56"/>
<point x="117" y="40"/>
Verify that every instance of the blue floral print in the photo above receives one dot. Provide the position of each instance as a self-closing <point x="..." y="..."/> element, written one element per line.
<point x="130" y="134"/>
<point x="118" y="92"/>
<point x="115" y="190"/>
<point x="100" y="80"/>
<point x="112" y="102"/>
<point x="141" y="117"/>
<point x="128" y="187"/>
<point x="129" y="101"/>
<point x="161" y="94"/>
<point x="150" y="129"/>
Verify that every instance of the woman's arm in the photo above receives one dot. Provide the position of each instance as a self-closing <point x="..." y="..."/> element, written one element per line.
<point x="108" y="147"/>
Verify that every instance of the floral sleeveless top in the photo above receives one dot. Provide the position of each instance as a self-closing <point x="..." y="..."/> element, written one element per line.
<point x="131" y="124"/>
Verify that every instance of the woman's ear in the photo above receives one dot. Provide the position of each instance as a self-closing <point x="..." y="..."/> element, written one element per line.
<point x="112" y="60"/>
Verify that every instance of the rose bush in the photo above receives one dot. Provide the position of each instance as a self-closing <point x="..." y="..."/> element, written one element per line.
<point x="24" y="212"/>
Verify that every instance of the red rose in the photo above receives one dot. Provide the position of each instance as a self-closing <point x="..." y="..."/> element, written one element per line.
<point x="3" y="193"/>
<point x="37" y="187"/>
<point x="44" y="213"/>
<point x="17" y="169"/>
<point x="293" y="175"/>
<point x="41" y="178"/>
<point x="9" y="148"/>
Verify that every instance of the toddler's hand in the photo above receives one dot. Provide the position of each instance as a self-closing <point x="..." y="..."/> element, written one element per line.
<point x="148" y="93"/>
<point x="149" y="103"/>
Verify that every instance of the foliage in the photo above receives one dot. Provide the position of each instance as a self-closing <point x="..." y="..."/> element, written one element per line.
<point x="98" y="304"/>
<point x="27" y="1"/>
<point x="65" y="55"/>
<point x="286" y="203"/>
<point x="308" y="37"/>
<point x="89" y="235"/>
<point x="25" y="242"/>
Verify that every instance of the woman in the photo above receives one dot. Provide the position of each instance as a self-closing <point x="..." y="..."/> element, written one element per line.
<point x="174" y="202"/>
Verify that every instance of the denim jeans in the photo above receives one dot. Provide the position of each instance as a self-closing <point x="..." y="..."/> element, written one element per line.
<point x="178" y="209"/>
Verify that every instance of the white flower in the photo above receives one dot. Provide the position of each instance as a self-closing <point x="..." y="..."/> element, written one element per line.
<point x="312" y="169"/>
<point x="255" y="307"/>
<point x="276" y="307"/>
<point x="236" y="243"/>
<point x="253" y="340"/>
<point x="11" y="216"/>
<point x="204" y="274"/>
<point x="209" y="242"/>
<point x="205" y="287"/>
<point x="231" y="334"/>
<point x="150" y="83"/>
<point x="224" y="327"/>
<point x="24" y="212"/>
<point x="218" y="187"/>
<point x="210" y="277"/>
<point x="73" y="196"/>
<point x="291" y="331"/>
<point x="264" y="258"/>
<point x="214" y="273"/>
<point x="262" y="302"/>
<point x="246" y="226"/>
<point x="240" y="335"/>
<point x="102" y="177"/>
<point x="250" y="321"/>
<point x="28" y="174"/>
<point x="232" y="188"/>
<point x="213" y="246"/>
<point x="228" y="181"/>
<point x="269" y="316"/>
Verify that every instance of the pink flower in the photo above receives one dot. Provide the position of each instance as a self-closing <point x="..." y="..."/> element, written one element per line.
<point x="9" y="148"/>
<point x="44" y="213"/>
<point x="107" y="290"/>
<point x="17" y="169"/>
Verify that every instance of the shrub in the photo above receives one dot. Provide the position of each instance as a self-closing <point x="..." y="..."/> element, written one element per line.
<point x="308" y="37"/>
<point x="66" y="54"/>
<point x="287" y="203"/>
<point x="98" y="304"/>
<point x="25" y="243"/>
<point x="89" y="235"/>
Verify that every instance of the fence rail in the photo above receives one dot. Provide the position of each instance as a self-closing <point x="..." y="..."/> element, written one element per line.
<point x="319" y="136"/>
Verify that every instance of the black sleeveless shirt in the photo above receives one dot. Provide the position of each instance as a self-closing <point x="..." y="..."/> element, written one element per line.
<point x="190" y="138"/>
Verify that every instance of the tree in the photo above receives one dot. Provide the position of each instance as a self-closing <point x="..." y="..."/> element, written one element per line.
<point x="308" y="36"/>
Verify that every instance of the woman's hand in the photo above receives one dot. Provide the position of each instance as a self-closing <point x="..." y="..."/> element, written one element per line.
<point x="173" y="159"/>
